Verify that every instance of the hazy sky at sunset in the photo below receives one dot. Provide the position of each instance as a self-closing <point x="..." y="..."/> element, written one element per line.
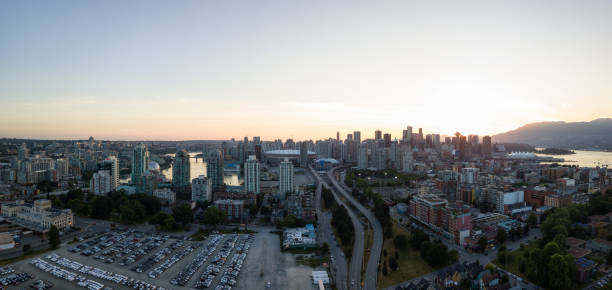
<point x="298" y="69"/>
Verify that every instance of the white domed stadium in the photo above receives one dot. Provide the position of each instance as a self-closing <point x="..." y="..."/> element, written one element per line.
<point x="154" y="166"/>
<point x="522" y="155"/>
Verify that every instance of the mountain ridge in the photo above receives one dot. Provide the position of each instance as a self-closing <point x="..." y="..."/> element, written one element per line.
<point x="594" y="135"/>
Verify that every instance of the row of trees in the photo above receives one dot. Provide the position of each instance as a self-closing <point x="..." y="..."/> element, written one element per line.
<point x="366" y="196"/>
<point x="341" y="220"/>
<point x="180" y="218"/>
<point x="559" y="223"/>
<point x="117" y="206"/>
<point x="381" y="211"/>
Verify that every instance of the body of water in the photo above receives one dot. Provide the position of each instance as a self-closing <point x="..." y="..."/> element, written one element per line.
<point x="585" y="158"/>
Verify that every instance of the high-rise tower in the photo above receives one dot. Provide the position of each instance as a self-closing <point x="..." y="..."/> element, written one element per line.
<point x="140" y="161"/>
<point x="214" y="169"/>
<point x="285" y="178"/>
<point x="251" y="175"/>
<point x="181" y="172"/>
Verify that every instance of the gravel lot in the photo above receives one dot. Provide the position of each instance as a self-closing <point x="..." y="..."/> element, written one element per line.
<point x="266" y="263"/>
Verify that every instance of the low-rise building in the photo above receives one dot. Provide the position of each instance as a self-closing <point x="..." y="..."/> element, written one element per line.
<point x="558" y="200"/>
<point x="101" y="182"/>
<point x="300" y="237"/>
<point x="248" y="197"/>
<point x="201" y="189"/>
<point x="6" y="241"/>
<point x="427" y="208"/>
<point x="37" y="216"/>
<point x="234" y="209"/>
<point x="586" y="269"/>
<point x="165" y="194"/>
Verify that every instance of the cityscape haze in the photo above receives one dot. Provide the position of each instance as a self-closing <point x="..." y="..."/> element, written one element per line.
<point x="147" y="70"/>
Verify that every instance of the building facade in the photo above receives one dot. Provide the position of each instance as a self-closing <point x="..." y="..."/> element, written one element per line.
<point x="201" y="189"/>
<point x="165" y="194"/>
<point x="37" y="216"/>
<point x="101" y="183"/>
<point x="140" y="161"/>
<point x="285" y="178"/>
<point x="251" y="175"/>
<point x="112" y="165"/>
<point x="181" y="171"/>
<point x="214" y="169"/>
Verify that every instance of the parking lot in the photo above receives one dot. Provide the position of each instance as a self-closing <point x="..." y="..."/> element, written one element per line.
<point x="126" y="259"/>
<point x="266" y="263"/>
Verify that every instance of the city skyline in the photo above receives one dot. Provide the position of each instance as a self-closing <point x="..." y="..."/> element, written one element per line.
<point x="202" y="70"/>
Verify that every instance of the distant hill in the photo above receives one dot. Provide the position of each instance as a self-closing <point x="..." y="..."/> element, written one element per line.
<point x="596" y="135"/>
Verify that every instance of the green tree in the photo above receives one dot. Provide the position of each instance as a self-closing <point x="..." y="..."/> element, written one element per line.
<point x="453" y="256"/>
<point x="151" y="204"/>
<point x="482" y="243"/>
<point x="290" y="221"/>
<point x="182" y="214"/>
<point x="54" y="237"/>
<point x="73" y="194"/>
<point x="213" y="216"/>
<point x="400" y="241"/>
<point x="158" y="218"/>
<point x="169" y="223"/>
<point x="502" y="257"/>
<point x="417" y="238"/>
<point x="136" y="211"/>
<point x="557" y="222"/>
<point x="437" y="254"/>
<point x="501" y="236"/>
<point x="101" y="207"/>
<point x="393" y="264"/>
<point x="325" y="248"/>
<point x="559" y="272"/>
<point x="127" y="215"/>
<point x="79" y="207"/>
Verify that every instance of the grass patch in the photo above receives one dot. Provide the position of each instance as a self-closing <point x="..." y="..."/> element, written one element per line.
<point x="346" y="249"/>
<point x="237" y="231"/>
<point x="312" y="262"/>
<point x="410" y="263"/>
<point x="368" y="238"/>
<point x="301" y="250"/>
<point x="201" y="234"/>
<point x="27" y="255"/>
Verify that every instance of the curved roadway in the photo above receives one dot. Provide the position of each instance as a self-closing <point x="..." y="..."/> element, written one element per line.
<point x="358" y="245"/>
<point x="372" y="267"/>
<point x="324" y="231"/>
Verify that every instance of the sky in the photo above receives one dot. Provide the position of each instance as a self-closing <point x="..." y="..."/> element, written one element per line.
<point x="191" y="70"/>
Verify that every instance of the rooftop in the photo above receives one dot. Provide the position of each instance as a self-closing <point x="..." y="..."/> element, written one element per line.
<point x="574" y="242"/>
<point x="578" y="252"/>
<point x="287" y="152"/>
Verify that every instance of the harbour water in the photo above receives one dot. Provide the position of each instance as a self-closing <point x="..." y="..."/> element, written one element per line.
<point x="584" y="158"/>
